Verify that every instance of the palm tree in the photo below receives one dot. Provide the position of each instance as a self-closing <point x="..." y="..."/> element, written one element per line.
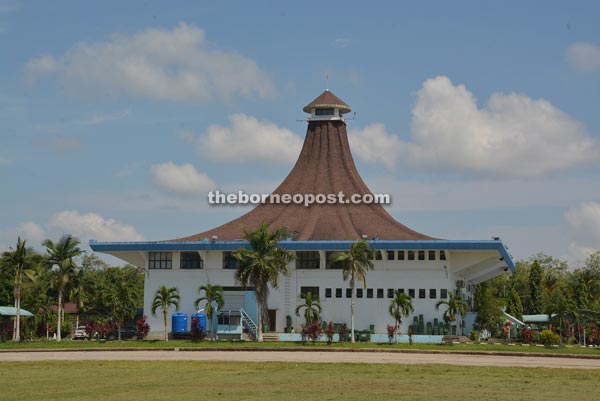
<point x="355" y="264"/>
<point x="212" y="293"/>
<point x="18" y="261"/>
<point x="261" y="264"/>
<point x="61" y="255"/>
<point x="312" y="308"/>
<point x="401" y="305"/>
<point x="455" y="306"/>
<point x="560" y="310"/>
<point x="164" y="298"/>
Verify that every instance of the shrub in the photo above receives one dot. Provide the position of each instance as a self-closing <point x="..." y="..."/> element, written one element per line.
<point x="198" y="334"/>
<point x="143" y="328"/>
<point x="329" y="332"/>
<point x="474" y="335"/>
<point x="391" y="331"/>
<point x="311" y="332"/>
<point x="343" y="332"/>
<point x="527" y="335"/>
<point x="549" y="338"/>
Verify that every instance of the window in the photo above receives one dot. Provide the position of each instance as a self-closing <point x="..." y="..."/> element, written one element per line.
<point x="313" y="290"/>
<point x="348" y="292"/>
<point x="327" y="292"/>
<point x="411" y="292"/>
<point x="431" y="255"/>
<point x="227" y="319"/>
<point x="391" y="255"/>
<point x="442" y="255"/>
<point x="330" y="256"/>
<point x="400" y="255"/>
<point x="443" y="293"/>
<point x="380" y="293"/>
<point x="421" y="255"/>
<point x="323" y="112"/>
<point x="390" y="293"/>
<point x="421" y="292"/>
<point x="338" y="292"/>
<point x="308" y="260"/>
<point x="432" y="293"/>
<point x="190" y="260"/>
<point x="359" y="293"/>
<point x="411" y="255"/>
<point x="378" y="255"/>
<point x="160" y="260"/>
<point x="401" y="290"/>
<point x="369" y="293"/>
<point x="229" y="262"/>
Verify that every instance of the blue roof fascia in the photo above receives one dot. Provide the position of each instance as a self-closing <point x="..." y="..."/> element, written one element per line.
<point x="462" y="245"/>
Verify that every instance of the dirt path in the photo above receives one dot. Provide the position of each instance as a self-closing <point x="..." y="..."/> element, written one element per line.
<point x="318" y="357"/>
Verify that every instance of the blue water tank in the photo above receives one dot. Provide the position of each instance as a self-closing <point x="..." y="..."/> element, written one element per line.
<point x="201" y="320"/>
<point x="179" y="323"/>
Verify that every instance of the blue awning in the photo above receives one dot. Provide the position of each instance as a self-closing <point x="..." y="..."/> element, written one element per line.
<point x="12" y="311"/>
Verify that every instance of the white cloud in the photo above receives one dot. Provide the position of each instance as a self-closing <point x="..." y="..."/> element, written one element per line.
<point x="584" y="57"/>
<point x="373" y="144"/>
<point x="86" y="226"/>
<point x="249" y="139"/>
<point x="32" y="232"/>
<point x="584" y="224"/>
<point x="175" y="64"/>
<point x="513" y="135"/>
<point x="184" y="179"/>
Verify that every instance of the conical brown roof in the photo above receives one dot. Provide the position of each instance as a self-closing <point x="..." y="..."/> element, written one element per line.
<point x="325" y="166"/>
<point x="327" y="100"/>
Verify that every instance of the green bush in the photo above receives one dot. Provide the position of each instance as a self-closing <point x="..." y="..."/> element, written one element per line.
<point x="549" y="338"/>
<point x="474" y="335"/>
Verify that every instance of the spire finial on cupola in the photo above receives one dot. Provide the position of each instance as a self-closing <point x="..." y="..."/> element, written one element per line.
<point x="326" y="106"/>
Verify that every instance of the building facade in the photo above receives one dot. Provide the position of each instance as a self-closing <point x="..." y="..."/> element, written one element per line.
<point x="424" y="267"/>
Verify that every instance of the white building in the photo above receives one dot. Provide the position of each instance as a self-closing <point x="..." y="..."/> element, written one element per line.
<point x="425" y="267"/>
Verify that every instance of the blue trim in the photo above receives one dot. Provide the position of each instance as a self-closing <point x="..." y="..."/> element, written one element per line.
<point x="451" y="245"/>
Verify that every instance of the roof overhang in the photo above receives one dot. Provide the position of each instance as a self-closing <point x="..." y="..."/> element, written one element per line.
<point x="503" y="260"/>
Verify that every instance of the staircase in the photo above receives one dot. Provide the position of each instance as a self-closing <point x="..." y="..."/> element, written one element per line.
<point x="249" y="325"/>
<point x="270" y="337"/>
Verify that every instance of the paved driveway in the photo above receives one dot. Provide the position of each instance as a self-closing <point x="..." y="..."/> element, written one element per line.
<point x="318" y="357"/>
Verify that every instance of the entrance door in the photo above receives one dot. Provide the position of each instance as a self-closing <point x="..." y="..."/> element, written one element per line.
<point x="272" y="320"/>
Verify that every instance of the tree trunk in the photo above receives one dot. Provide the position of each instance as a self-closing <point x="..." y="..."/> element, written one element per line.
<point x="396" y="333"/>
<point x="59" y="320"/>
<point x="165" y="320"/>
<point x="352" y="312"/>
<point x="259" y="336"/>
<point x="17" y="332"/>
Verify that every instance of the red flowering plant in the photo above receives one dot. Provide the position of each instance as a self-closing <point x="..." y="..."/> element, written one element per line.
<point x="143" y="328"/>
<point x="527" y="335"/>
<point x="311" y="332"/>
<point x="391" y="332"/>
<point x="329" y="332"/>
<point x="343" y="332"/>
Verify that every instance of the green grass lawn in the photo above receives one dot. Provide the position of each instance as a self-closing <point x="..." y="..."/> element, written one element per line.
<point x="226" y="345"/>
<point x="187" y="380"/>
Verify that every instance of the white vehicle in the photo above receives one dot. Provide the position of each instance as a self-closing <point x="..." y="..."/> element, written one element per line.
<point x="80" y="333"/>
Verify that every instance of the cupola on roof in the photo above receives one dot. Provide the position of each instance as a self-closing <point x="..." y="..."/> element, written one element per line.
<point x="327" y="100"/>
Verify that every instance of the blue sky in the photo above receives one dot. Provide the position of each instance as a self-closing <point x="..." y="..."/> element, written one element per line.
<point x="479" y="119"/>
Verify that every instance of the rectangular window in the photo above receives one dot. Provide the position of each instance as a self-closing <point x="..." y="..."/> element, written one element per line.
<point x="359" y="293"/>
<point x="369" y="293"/>
<point x="431" y="255"/>
<point x="190" y="260"/>
<point x="313" y="290"/>
<point x="443" y="293"/>
<point x="442" y="255"/>
<point x="338" y="292"/>
<point x="391" y="255"/>
<point x="160" y="260"/>
<point x="411" y="292"/>
<point x="348" y="292"/>
<point x="421" y="255"/>
<point x="390" y="293"/>
<point x="378" y="255"/>
<point x="421" y="293"/>
<point x="432" y="293"/>
<point x="308" y="260"/>
<point x="327" y="292"/>
<point x="401" y="290"/>
<point x="229" y="262"/>
<point x="323" y="112"/>
<point x="411" y="255"/>
<point x="400" y="255"/>
<point x="380" y="293"/>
